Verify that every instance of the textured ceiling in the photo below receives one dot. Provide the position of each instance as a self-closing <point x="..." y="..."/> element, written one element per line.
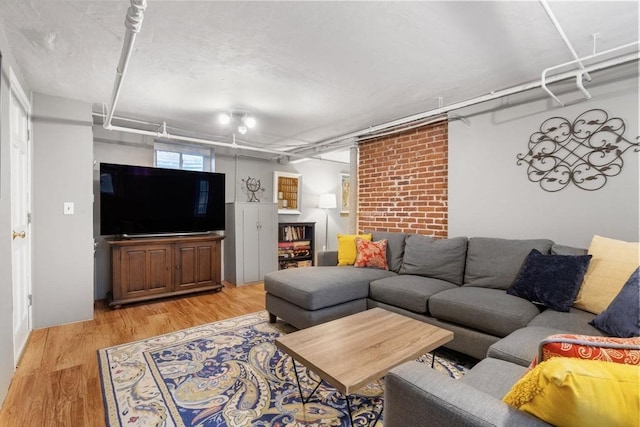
<point x="308" y="71"/>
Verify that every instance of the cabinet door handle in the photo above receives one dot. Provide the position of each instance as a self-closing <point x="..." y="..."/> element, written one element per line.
<point x="168" y="267"/>
<point x="178" y="267"/>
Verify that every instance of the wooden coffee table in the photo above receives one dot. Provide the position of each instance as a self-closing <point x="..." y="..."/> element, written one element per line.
<point x="357" y="350"/>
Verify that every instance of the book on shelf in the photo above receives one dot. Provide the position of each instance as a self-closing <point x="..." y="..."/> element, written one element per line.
<point x="294" y="250"/>
<point x="293" y="232"/>
<point x="295" y="264"/>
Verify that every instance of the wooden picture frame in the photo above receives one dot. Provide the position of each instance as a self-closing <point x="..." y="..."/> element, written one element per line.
<point x="286" y="192"/>
<point x="345" y="189"/>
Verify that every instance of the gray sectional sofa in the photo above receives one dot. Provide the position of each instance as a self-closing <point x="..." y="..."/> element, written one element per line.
<point x="458" y="284"/>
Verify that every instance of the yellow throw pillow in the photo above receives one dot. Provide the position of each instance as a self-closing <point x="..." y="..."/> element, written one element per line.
<point x="347" y="251"/>
<point x="569" y="392"/>
<point x="611" y="265"/>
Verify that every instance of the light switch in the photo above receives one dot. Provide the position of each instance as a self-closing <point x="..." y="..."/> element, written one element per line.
<point x="68" y="208"/>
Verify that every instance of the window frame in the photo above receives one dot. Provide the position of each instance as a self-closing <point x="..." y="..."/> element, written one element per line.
<point x="207" y="154"/>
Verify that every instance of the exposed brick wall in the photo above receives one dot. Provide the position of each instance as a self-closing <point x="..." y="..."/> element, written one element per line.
<point x="402" y="182"/>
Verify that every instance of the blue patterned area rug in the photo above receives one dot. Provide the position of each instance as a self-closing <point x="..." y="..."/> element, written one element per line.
<point x="229" y="373"/>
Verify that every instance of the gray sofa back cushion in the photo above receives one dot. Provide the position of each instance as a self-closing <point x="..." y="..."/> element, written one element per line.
<point x="495" y="263"/>
<point x="438" y="258"/>
<point x="395" y="247"/>
<point x="567" y="250"/>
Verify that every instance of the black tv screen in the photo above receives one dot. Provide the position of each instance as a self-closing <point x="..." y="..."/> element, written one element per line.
<point x="137" y="200"/>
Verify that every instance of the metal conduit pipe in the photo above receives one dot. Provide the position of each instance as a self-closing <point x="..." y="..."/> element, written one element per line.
<point x="133" y="24"/>
<point x="565" y="39"/>
<point x="585" y="93"/>
<point x="489" y="97"/>
<point x="544" y="80"/>
<point x="387" y="126"/>
<point x="164" y="134"/>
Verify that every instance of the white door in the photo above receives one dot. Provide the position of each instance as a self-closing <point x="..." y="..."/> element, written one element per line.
<point x="20" y="208"/>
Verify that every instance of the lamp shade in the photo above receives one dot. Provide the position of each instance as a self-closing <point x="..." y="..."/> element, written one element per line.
<point x="327" y="201"/>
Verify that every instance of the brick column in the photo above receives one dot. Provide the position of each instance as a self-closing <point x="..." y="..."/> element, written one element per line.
<point x="402" y="182"/>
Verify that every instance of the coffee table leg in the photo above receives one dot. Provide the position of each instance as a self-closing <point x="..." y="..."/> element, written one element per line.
<point x="295" y="371"/>
<point x="346" y="396"/>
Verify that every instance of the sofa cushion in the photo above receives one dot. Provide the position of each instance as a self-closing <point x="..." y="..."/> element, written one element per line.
<point x="395" y="247"/>
<point x="488" y="310"/>
<point x="371" y="254"/>
<point x="313" y="288"/>
<point x="347" y="251"/>
<point x="608" y="349"/>
<point x="494" y="377"/>
<point x="407" y="291"/>
<point x="622" y="317"/>
<point x="494" y="263"/>
<point x="577" y="392"/>
<point x="557" y="249"/>
<point x="551" y="280"/>
<point x="612" y="263"/>
<point x="438" y="258"/>
<point x="521" y="346"/>
<point x="574" y="321"/>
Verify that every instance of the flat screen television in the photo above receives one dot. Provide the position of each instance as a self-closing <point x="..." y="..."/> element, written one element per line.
<point x="138" y="200"/>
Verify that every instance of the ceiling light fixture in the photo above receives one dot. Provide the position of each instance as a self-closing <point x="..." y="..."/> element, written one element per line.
<point x="249" y="121"/>
<point x="241" y="121"/>
<point x="224" y="118"/>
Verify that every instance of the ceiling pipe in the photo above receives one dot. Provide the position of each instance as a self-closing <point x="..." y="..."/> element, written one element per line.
<point x="564" y="37"/>
<point x="133" y="23"/>
<point x="584" y="91"/>
<point x="484" y="98"/>
<point x="166" y="135"/>
<point x="578" y="76"/>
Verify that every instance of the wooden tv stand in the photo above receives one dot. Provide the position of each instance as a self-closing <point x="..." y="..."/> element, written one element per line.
<point x="150" y="268"/>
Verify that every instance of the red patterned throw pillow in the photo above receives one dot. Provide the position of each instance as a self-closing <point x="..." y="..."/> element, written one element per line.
<point x="371" y="254"/>
<point x="607" y="349"/>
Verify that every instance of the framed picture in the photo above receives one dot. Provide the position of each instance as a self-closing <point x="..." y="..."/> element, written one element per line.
<point x="344" y="193"/>
<point x="286" y="192"/>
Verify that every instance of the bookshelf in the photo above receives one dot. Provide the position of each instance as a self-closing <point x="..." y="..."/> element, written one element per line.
<point x="295" y="244"/>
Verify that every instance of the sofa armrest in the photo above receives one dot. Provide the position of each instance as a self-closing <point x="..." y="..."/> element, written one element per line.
<point x="416" y="395"/>
<point x="327" y="258"/>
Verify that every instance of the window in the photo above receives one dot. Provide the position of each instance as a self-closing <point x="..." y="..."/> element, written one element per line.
<point x="203" y="200"/>
<point x="185" y="157"/>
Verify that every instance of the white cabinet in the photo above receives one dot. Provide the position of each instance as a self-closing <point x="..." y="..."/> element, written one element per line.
<point x="251" y="242"/>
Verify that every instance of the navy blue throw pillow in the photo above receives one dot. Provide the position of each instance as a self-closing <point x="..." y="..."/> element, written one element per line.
<point x="622" y="318"/>
<point x="550" y="280"/>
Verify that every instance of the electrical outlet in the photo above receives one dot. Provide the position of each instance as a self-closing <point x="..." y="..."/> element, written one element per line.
<point x="68" y="208"/>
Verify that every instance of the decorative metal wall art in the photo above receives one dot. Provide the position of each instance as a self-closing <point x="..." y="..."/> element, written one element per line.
<point x="586" y="152"/>
<point x="253" y="187"/>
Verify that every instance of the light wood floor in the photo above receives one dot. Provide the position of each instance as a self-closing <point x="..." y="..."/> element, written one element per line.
<point x="57" y="382"/>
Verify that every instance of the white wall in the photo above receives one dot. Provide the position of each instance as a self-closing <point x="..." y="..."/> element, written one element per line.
<point x="317" y="177"/>
<point x="62" y="244"/>
<point x="490" y="195"/>
<point x="106" y="151"/>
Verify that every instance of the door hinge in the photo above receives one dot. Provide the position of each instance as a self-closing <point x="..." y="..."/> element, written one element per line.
<point x="30" y="300"/>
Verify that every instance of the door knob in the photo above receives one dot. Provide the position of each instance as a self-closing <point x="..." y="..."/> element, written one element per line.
<point x="21" y="234"/>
